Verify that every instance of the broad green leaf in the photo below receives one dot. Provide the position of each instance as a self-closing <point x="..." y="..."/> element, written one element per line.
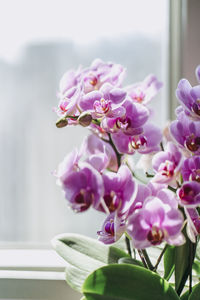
<point x="195" y="295"/>
<point x="84" y="255"/>
<point x="127" y="282"/>
<point x="132" y="261"/>
<point x="185" y="296"/>
<point x="198" y="250"/>
<point x="196" y="267"/>
<point x="169" y="259"/>
<point x="184" y="256"/>
<point x="75" y="277"/>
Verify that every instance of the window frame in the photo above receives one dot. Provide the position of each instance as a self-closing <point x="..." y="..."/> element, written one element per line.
<point x="43" y="269"/>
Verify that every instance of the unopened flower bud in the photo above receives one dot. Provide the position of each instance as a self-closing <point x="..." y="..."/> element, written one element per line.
<point x="61" y="123"/>
<point x="85" y="119"/>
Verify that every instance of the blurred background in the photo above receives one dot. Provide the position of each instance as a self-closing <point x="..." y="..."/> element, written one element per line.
<point x="40" y="40"/>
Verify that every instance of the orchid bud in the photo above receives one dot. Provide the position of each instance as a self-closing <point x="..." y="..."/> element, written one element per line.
<point x="61" y="123"/>
<point x="85" y="119"/>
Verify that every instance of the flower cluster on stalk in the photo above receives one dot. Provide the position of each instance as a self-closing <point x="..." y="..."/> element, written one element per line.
<point x="99" y="176"/>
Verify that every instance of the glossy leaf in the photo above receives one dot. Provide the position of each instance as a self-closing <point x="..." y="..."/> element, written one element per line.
<point x="75" y="277"/>
<point x="127" y="282"/>
<point x="196" y="267"/>
<point x="198" y="250"/>
<point x="169" y="262"/>
<point x="84" y="255"/>
<point x="195" y="295"/>
<point x="132" y="261"/>
<point x="184" y="256"/>
<point x="185" y="296"/>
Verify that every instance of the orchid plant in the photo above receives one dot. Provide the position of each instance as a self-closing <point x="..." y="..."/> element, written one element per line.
<point x="160" y="212"/>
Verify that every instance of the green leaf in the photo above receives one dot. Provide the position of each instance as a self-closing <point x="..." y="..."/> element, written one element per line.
<point x="169" y="262"/>
<point x="84" y="255"/>
<point x="196" y="267"/>
<point x="132" y="261"/>
<point x="195" y="295"/>
<point x="184" y="256"/>
<point x="185" y="296"/>
<point x="198" y="250"/>
<point x="75" y="277"/>
<point x="127" y="282"/>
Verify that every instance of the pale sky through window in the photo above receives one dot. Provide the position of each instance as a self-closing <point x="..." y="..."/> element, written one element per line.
<point x="39" y="41"/>
<point x="26" y="21"/>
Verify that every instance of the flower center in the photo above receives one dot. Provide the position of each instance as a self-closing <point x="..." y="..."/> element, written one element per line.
<point x="138" y="142"/>
<point x="167" y="168"/>
<point x="138" y="95"/>
<point x="195" y="175"/>
<point x="123" y="123"/>
<point x="192" y="142"/>
<point x="84" y="199"/>
<point x="196" y="107"/>
<point x="155" y="235"/>
<point x="63" y="106"/>
<point x="93" y="80"/>
<point x="112" y="201"/>
<point x="102" y="107"/>
<point x="186" y="194"/>
<point x="109" y="227"/>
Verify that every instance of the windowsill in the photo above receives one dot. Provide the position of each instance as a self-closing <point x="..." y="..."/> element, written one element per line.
<point x="31" y="264"/>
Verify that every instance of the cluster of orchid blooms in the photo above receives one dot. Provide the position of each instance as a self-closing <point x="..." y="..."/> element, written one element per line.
<point x="99" y="174"/>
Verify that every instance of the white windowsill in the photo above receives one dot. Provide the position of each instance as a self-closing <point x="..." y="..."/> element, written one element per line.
<point x="31" y="264"/>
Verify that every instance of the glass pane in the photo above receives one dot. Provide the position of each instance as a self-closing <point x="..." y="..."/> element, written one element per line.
<point x="40" y="40"/>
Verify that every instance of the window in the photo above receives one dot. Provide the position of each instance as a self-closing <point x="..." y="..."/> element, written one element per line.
<point x="42" y="40"/>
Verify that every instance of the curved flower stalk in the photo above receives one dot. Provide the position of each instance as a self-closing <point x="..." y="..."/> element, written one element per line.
<point x="100" y="177"/>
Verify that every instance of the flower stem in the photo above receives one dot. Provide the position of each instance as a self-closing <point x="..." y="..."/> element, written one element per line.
<point x="134" y="175"/>
<point x="192" y="255"/>
<point x="148" y="261"/>
<point x="160" y="257"/>
<point x="149" y="175"/>
<point x="142" y="258"/>
<point x="171" y="188"/>
<point x="128" y="246"/>
<point x="161" y="146"/>
<point x="118" y="155"/>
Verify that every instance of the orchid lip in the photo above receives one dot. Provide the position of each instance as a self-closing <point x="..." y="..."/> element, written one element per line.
<point x="139" y="142"/>
<point x="167" y="169"/>
<point x="192" y="143"/>
<point x="196" y="107"/>
<point x="123" y="123"/>
<point x="186" y="194"/>
<point x="155" y="235"/>
<point x="102" y="107"/>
